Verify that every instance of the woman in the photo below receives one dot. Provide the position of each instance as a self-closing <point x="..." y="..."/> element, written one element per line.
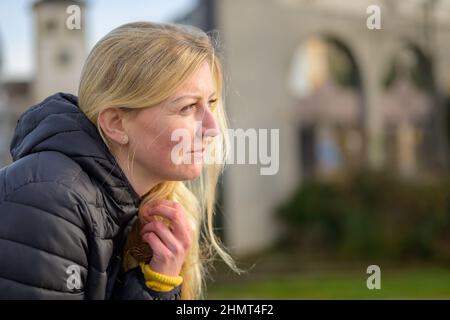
<point x="88" y="170"/>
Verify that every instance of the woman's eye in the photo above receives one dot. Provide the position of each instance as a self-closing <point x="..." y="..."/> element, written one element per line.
<point x="212" y="104"/>
<point x="188" y="108"/>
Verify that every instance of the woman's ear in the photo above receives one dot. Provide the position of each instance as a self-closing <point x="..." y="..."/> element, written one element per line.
<point x="111" y="121"/>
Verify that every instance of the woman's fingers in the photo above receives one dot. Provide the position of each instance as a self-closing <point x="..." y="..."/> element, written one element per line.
<point x="154" y="203"/>
<point x="163" y="233"/>
<point x="169" y="241"/>
<point x="175" y="215"/>
<point x="144" y="211"/>
<point x="159" y="249"/>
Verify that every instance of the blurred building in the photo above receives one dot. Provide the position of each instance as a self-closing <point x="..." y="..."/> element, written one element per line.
<point x="343" y="96"/>
<point x="4" y="118"/>
<point x="59" y="54"/>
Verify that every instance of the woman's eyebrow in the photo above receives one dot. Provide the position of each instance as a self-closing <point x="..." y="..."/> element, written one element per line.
<point x="191" y="96"/>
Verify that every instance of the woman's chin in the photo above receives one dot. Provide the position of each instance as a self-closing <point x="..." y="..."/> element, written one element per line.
<point x="194" y="171"/>
<point x="189" y="172"/>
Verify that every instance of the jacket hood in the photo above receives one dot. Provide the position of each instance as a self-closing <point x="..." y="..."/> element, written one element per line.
<point x="58" y="124"/>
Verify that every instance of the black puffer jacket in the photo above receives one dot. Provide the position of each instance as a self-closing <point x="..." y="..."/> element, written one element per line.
<point x="65" y="210"/>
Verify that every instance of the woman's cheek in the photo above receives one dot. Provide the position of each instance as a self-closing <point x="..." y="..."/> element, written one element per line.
<point x="181" y="145"/>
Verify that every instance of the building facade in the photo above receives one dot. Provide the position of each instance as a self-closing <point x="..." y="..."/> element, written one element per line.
<point x="331" y="125"/>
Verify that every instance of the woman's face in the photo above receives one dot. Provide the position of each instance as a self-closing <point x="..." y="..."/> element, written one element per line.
<point x="166" y="141"/>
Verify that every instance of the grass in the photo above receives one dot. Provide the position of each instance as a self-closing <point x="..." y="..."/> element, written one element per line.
<point x="397" y="282"/>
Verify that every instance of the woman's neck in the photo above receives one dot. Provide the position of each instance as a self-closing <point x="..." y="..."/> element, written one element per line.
<point x="138" y="178"/>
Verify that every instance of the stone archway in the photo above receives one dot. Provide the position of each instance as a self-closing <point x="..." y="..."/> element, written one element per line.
<point x="408" y="103"/>
<point x="328" y="104"/>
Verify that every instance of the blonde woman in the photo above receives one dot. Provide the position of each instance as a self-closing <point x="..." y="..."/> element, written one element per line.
<point x="96" y="204"/>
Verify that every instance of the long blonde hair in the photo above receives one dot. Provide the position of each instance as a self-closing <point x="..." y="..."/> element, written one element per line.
<point x="139" y="65"/>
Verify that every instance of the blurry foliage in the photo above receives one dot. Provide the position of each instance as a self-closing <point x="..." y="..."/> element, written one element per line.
<point x="371" y="215"/>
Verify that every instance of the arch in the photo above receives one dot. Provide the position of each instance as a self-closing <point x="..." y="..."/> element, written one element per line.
<point x="331" y="110"/>
<point x="424" y="61"/>
<point x="408" y="104"/>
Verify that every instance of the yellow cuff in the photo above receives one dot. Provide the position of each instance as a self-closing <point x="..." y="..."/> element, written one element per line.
<point x="157" y="281"/>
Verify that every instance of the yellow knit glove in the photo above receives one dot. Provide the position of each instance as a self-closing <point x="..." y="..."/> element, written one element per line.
<point x="157" y="281"/>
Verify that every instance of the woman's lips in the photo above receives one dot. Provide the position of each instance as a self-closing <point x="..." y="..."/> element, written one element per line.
<point x="198" y="151"/>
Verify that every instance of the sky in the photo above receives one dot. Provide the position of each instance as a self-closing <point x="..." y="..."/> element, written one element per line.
<point x="16" y="21"/>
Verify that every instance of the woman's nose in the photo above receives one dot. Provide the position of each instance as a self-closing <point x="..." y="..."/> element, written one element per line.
<point x="210" y="127"/>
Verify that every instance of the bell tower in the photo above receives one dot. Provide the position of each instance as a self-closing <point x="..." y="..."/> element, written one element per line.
<point x="60" y="46"/>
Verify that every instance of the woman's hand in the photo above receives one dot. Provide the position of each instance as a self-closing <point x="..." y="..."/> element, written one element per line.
<point x="169" y="243"/>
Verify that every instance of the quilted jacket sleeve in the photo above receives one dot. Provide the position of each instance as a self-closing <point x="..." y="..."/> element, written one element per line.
<point x="132" y="286"/>
<point x="43" y="243"/>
